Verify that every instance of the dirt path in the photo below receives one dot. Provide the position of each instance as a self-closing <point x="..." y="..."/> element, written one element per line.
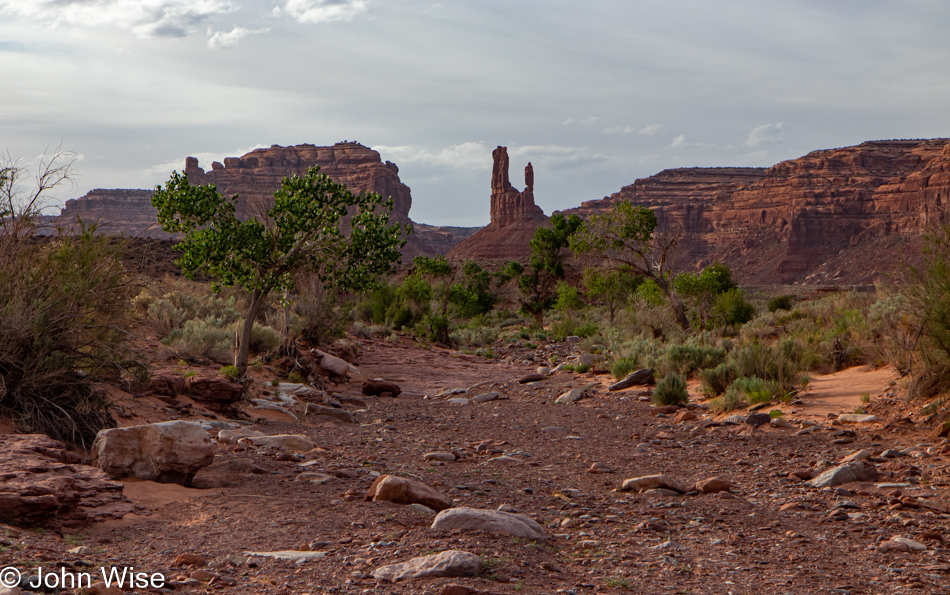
<point x="770" y="534"/>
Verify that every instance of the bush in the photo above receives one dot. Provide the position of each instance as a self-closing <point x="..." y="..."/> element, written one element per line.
<point x="781" y="363"/>
<point x="670" y="390"/>
<point x="717" y="380"/>
<point x="685" y="359"/>
<point x="782" y="302"/>
<point x="743" y="392"/>
<point x="731" y="309"/>
<point x="622" y="367"/>
<point x="320" y="319"/>
<point x="582" y="368"/>
<point x="230" y="372"/>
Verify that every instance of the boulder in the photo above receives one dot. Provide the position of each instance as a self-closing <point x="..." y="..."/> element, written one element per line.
<point x="652" y="482"/>
<point x="638" y="378"/>
<point x="451" y="563"/>
<point x="216" y="393"/>
<point x="713" y="485"/>
<point x="43" y="483"/>
<point x="381" y="388"/>
<point x="857" y="418"/>
<point x="282" y="441"/>
<point x="758" y="419"/>
<point x="340" y="414"/>
<point x="683" y="416"/>
<point x="493" y="521"/>
<point x="486" y="397"/>
<point x="231" y="436"/>
<point x="168" y="452"/>
<point x="331" y="363"/>
<point x="847" y="473"/>
<point x="399" y="490"/>
<point x="168" y="385"/>
<point x="571" y="396"/>
<point x="530" y="378"/>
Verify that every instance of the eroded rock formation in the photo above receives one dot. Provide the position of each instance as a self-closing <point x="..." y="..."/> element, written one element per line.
<point x="837" y="215"/>
<point x="514" y="218"/>
<point x="254" y="178"/>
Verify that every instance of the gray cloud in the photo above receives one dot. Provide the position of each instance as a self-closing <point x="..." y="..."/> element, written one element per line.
<point x="321" y="11"/>
<point x="767" y="134"/>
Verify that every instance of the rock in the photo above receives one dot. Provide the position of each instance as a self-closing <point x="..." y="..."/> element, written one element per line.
<point x="289" y="555"/>
<point x="189" y="559"/>
<point x="599" y="468"/>
<point x="664" y="410"/>
<point x="846" y="473"/>
<point x="638" y="378"/>
<point x="447" y="457"/>
<point x="232" y="436"/>
<point x="420" y="509"/>
<point x="713" y="485"/>
<point x="486" y="397"/>
<point x="758" y="419"/>
<point x="734" y="419"/>
<point x="544" y="370"/>
<point x="458" y="401"/>
<point x="778" y="422"/>
<point x="10" y="590"/>
<point x="317" y="478"/>
<point x="214" y="392"/>
<point x="887" y="547"/>
<point x="493" y="521"/>
<point x="530" y="378"/>
<point x="332" y="363"/>
<point x="652" y="482"/>
<point x="400" y="490"/>
<point x="340" y="414"/>
<point x="451" y="563"/>
<point x="382" y="388"/>
<point x="683" y="416"/>
<point x="571" y="396"/>
<point x="857" y="418"/>
<point x="860" y="455"/>
<point x="514" y="218"/>
<point x="463" y="590"/>
<point x="82" y="550"/>
<point x="168" y="385"/>
<point x="282" y="441"/>
<point x="168" y="452"/>
<point x="914" y="546"/>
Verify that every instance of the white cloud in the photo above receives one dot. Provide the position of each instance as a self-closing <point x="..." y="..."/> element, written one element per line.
<point x="321" y="11"/>
<point x="650" y="129"/>
<point x="628" y="129"/>
<point x="679" y="141"/>
<point x="468" y="155"/>
<point x="767" y="134"/>
<point x="585" y="121"/>
<point x="221" y="39"/>
<point x="145" y="18"/>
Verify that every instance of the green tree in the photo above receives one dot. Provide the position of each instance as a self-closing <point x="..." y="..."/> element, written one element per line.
<point x="626" y="236"/>
<point x="704" y="289"/>
<point x="611" y="287"/>
<point x="548" y="247"/>
<point x="302" y="230"/>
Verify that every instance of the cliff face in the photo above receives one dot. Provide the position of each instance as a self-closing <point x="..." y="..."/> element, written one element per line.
<point x="514" y="218"/>
<point x="254" y="178"/>
<point x="838" y="215"/>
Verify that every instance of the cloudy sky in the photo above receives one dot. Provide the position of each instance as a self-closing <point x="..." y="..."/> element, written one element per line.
<point x="595" y="94"/>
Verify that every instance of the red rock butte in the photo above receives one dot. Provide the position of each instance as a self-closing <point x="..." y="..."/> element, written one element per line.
<point x="514" y="218"/>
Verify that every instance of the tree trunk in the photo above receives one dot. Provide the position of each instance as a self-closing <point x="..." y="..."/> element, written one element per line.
<point x="244" y="340"/>
<point x="539" y="318"/>
<point x="679" y="310"/>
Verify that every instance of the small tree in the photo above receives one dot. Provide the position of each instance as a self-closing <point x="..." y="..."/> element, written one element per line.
<point x="627" y="237"/>
<point x="704" y="289"/>
<point x="302" y="230"/>
<point x="539" y="287"/>
<point x="612" y="288"/>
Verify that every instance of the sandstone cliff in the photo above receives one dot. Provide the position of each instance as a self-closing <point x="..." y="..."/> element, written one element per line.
<point x="514" y="218"/>
<point x="838" y="215"/>
<point x="254" y="178"/>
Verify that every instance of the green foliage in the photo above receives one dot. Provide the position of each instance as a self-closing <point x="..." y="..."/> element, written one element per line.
<point x="651" y="293"/>
<point x="781" y="363"/>
<point x="622" y="367"/>
<point x="717" y="380"/>
<point x="538" y="286"/>
<point x="782" y="302"/>
<point x="582" y="368"/>
<point x="434" y="328"/>
<point x="296" y="378"/>
<point x="685" y="358"/>
<point x="731" y="309"/>
<point x="670" y="390"/>
<point x="612" y="288"/>
<point x="568" y="298"/>
<point x="704" y="290"/>
<point x="303" y="230"/>
<point x="749" y="391"/>
<point x="230" y="372"/>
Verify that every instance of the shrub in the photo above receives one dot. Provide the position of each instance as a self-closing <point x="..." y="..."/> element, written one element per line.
<point x="202" y="337"/>
<point x="717" y="380"/>
<point x="321" y="320"/>
<point x="781" y="363"/>
<point x="622" y="367"/>
<point x="743" y="392"/>
<point x="296" y="378"/>
<point x="568" y="368"/>
<point x="670" y="390"/>
<point x="686" y="358"/>
<point x="230" y="372"/>
<point x="731" y="309"/>
<point x="782" y="302"/>
<point x="582" y="368"/>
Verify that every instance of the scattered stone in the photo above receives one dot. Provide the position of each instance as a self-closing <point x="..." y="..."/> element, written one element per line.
<point x="530" y="378"/>
<point x="283" y="441"/>
<point x="857" y="418"/>
<point x="458" y="401"/>
<point x="778" y="422"/>
<point x="317" y="478"/>
<point x="451" y="563"/>
<point x="340" y="414"/>
<point x="332" y="363"/>
<point x="714" y="485"/>
<point x="188" y="559"/>
<point x="599" y="468"/>
<point x="505" y="459"/>
<point x="400" y="490"/>
<point x="447" y="457"/>
<point x="758" y="419"/>
<point x="544" y="370"/>
<point x="664" y="410"/>
<point x="734" y="420"/>
<point x="82" y="550"/>
<point x="638" y="378"/>
<point x="555" y="430"/>
<point x="571" y="396"/>
<point x="846" y="473"/>
<point x="289" y="555"/>
<point x="420" y="509"/>
<point x="860" y="455"/>
<point x="915" y="546"/>
<point x="381" y="388"/>
<point x="683" y="416"/>
<point x="168" y="452"/>
<point x="486" y="397"/>
<point x="652" y="482"/>
<point x="493" y="521"/>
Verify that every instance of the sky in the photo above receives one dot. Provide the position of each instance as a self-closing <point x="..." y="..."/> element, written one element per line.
<point x="594" y="94"/>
